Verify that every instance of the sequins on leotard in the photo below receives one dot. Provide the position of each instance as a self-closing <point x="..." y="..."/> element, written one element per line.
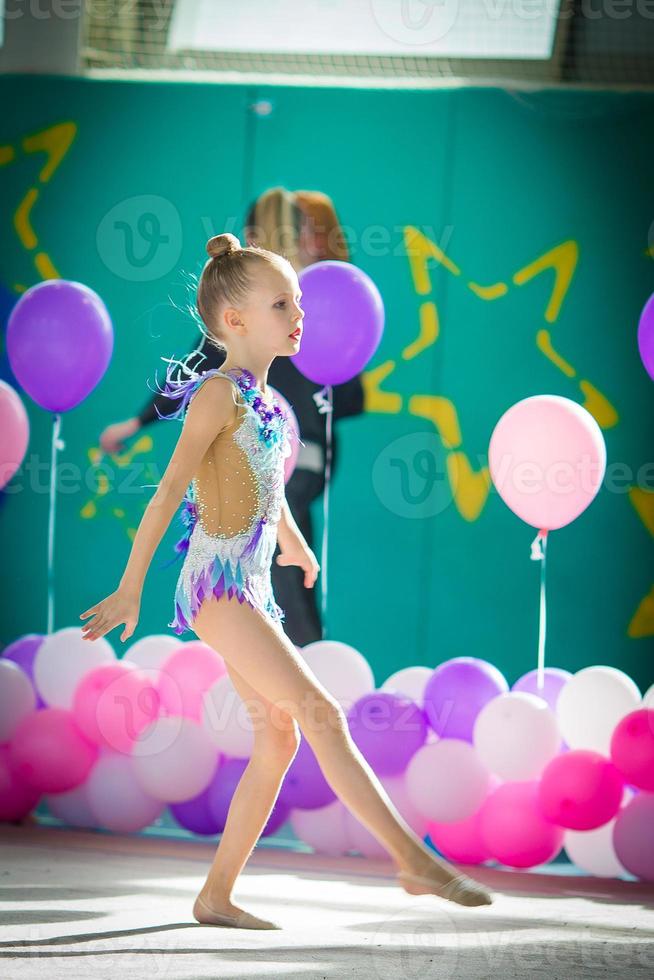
<point x="233" y="504"/>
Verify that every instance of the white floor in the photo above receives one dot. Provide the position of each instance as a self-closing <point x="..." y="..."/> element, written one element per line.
<point x="90" y="904"/>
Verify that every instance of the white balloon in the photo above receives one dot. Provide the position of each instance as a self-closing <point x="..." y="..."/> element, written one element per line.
<point x="116" y="796"/>
<point x="447" y="781"/>
<point x="72" y="806"/>
<point x="410" y="681"/>
<point x="341" y="669"/>
<point x="63" y="659"/>
<point x="152" y="651"/>
<point x="516" y="734"/>
<point x="648" y="697"/>
<point x="322" y="828"/>
<point x="362" y="840"/>
<point x="180" y="761"/>
<point x="226" y="719"/>
<point x="592" y="703"/>
<point x="17" y="697"/>
<point x="593" y="851"/>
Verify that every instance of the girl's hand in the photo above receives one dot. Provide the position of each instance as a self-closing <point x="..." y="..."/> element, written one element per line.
<point x="302" y="555"/>
<point x="119" y="607"/>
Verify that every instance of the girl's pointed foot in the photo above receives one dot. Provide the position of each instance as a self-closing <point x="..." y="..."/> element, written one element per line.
<point x="459" y="889"/>
<point x="240" y="919"/>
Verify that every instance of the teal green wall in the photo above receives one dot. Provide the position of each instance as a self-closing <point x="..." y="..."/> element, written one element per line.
<point x="421" y="568"/>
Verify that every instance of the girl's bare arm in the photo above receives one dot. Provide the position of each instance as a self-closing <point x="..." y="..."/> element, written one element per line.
<point x="287" y="529"/>
<point x="211" y="409"/>
<point x="293" y="547"/>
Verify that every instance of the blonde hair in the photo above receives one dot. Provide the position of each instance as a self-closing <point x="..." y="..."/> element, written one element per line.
<point x="228" y="277"/>
<point x="320" y="211"/>
<point x="274" y="223"/>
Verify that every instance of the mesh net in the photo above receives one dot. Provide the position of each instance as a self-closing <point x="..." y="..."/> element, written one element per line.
<point x="593" y="42"/>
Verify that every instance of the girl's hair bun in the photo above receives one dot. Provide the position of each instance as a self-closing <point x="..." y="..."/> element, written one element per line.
<point x="223" y="244"/>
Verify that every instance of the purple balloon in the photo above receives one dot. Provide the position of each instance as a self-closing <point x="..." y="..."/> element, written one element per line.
<point x="388" y="729"/>
<point x="278" y="816"/>
<point x="632" y="836"/>
<point x="304" y="785"/>
<point x="22" y="651"/>
<point x="343" y="323"/>
<point x="59" y="342"/>
<point x="457" y="691"/>
<point x="646" y="336"/>
<point x="555" y="679"/>
<point x="221" y="791"/>
<point x="196" y="814"/>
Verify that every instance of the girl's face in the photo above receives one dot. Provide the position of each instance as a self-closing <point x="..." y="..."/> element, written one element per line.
<point x="274" y="313"/>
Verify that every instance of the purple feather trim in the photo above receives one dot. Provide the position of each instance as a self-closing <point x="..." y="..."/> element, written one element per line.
<point x="180" y="388"/>
<point x="201" y="589"/>
<point x="253" y="542"/>
<point x="188" y="515"/>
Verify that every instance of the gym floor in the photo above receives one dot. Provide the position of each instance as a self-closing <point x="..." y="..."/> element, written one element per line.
<point x="83" y="903"/>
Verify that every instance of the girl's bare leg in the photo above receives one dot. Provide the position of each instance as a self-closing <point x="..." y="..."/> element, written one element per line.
<point x="276" y="740"/>
<point x="265" y="657"/>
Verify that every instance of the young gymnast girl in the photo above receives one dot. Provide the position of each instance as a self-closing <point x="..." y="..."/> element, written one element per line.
<point x="230" y="458"/>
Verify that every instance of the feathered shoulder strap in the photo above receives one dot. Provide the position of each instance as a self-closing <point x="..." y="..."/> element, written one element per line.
<point x="181" y="387"/>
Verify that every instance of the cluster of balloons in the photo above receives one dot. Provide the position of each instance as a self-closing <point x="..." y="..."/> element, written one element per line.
<point x="489" y="773"/>
<point x="59" y="343"/>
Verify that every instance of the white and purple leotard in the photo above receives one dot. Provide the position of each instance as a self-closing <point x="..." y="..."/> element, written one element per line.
<point x="233" y="504"/>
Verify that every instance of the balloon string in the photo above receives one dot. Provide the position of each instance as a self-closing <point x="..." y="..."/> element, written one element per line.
<point x="56" y="445"/>
<point x="325" y="406"/>
<point x="539" y="553"/>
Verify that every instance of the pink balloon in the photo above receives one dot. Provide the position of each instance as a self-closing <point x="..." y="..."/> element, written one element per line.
<point x="514" y="829"/>
<point x="547" y="459"/>
<point x="50" y="753"/>
<point x="186" y="675"/>
<point x="580" y="789"/>
<point x="632" y="748"/>
<point x="290" y="461"/>
<point x="460" y="841"/>
<point x="633" y="840"/>
<point x="14" y="432"/>
<point x="17" y="799"/>
<point x="113" y="704"/>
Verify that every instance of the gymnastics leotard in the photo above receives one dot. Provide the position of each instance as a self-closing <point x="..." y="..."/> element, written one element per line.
<point x="233" y="504"/>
